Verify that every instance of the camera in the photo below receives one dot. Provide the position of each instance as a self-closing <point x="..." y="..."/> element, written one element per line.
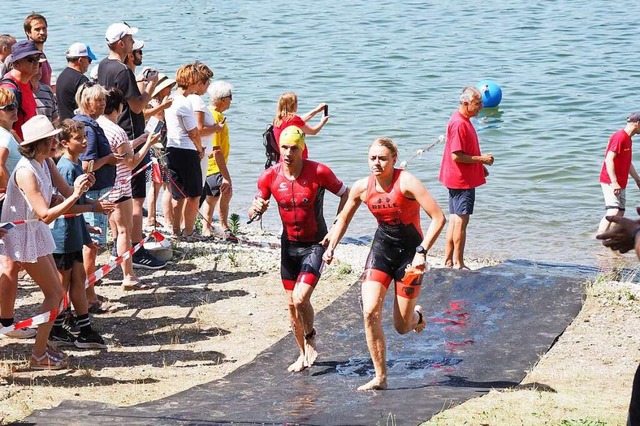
<point x="149" y="73"/>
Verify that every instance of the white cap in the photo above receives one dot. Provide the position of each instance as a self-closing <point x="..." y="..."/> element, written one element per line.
<point x="78" y="50"/>
<point x="116" y="32"/>
<point x="138" y="44"/>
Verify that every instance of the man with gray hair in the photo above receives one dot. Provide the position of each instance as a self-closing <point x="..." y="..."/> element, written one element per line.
<point x="461" y="171"/>
<point x="6" y="41"/>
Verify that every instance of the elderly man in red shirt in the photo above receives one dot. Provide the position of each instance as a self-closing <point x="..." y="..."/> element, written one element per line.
<point x="461" y="171"/>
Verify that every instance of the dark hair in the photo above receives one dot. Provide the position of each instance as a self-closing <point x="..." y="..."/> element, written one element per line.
<point x="33" y="17"/>
<point x="31" y="150"/>
<point x="70" y="126"/>
<point x="114" y="98"/>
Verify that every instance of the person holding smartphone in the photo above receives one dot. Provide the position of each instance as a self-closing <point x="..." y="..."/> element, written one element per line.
<point x="287" y="115"/>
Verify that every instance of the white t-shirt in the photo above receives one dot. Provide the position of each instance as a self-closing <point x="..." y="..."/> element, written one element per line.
<point x="180" y="119"/>
<point x="198" y="105"/>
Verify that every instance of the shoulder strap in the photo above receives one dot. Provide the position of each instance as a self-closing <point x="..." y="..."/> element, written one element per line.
<point x="16" y="92"/>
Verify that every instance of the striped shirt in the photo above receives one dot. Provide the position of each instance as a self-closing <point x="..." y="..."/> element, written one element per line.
<point x="117" y="136"/>
<point x="46" y="103"/>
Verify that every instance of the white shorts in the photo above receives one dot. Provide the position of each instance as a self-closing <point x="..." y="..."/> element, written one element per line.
<point x="612" y="201"/>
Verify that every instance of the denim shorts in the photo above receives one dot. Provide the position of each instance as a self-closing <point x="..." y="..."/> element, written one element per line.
<point x="99" y="220"/>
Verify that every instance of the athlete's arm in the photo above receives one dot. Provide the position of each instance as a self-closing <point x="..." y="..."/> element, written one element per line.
<point x="611" y="170"/>
<point x="354" y="199"/>
<point x="260" y="203"/>
<point x="412" y="187"/>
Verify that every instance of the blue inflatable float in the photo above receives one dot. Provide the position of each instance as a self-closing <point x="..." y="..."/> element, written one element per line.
<point x="491" y="93"/>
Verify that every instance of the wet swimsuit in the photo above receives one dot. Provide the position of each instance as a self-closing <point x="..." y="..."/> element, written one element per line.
<point x="300" y="203"/>
<point x="398" y="234"/>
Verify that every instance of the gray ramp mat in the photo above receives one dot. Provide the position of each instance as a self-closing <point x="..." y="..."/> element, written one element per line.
<point x="485" y="330"/>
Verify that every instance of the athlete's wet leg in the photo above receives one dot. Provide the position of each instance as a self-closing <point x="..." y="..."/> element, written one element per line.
<point x="298" y="333"/>
<point x="373" y="293"/>
<point x="305" y="316"/>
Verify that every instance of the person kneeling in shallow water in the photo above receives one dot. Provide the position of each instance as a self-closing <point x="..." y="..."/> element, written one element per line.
<point x="394" y="197"/>
<point x="298" y="187"/>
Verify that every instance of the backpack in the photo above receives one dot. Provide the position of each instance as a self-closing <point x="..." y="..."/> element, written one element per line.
<point x="271" y="149"/>
<point x="16" y="92"/>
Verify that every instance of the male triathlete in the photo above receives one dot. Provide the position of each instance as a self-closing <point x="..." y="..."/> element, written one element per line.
<point x="298" y="187"/>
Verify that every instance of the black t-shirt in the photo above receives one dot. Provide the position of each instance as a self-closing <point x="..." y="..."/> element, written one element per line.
<point x="113" y="73"/>
<point x="66" y="87"/>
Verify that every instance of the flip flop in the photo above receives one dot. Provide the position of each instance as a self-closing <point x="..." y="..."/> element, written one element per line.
<point x="135" y="286"/>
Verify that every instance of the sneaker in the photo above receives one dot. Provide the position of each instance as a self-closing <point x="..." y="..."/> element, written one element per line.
<point x="145" y="260"/>
<point x="229" y="237"/>
<point x="70" y="324"/>
<point x="61" y="338"/>
<point x="91" y="340"/>
<point x="99" y="308"/>
<point x="21" y="333"/>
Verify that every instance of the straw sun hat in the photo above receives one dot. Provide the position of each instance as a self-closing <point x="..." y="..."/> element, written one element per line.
<point x="37" y="128"/>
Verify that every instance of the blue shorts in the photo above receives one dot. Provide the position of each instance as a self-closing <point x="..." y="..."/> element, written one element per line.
<point x="99" y="220"/>
<point x="461" y="201"/>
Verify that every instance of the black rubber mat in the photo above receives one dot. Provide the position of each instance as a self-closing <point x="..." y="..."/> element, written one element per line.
<point x="485" y="329"/>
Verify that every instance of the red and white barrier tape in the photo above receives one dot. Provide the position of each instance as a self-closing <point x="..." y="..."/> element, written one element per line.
<point x="104" y="270"/>
<point x="38" y="319"/>
<point x="123" y="182"/>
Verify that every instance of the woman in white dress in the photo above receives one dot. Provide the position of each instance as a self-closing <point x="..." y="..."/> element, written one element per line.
<point x="29" y="194"/>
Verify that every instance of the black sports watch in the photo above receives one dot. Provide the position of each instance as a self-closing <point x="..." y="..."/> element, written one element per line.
<point x="421" y="250"/>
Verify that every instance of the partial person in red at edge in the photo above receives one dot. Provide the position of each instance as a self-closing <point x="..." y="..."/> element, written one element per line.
<point x="298" y="186"/>
<point x="616" y="169"/>
<point x="623" y="237"/>
<point x="461" y="172"/>
<point x="287" y="115"/>
<point x="394" y="197"/>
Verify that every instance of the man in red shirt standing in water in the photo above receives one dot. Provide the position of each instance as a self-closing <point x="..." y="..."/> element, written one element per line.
<point x="461" y="171"/>
<point x="616" y="169"/>
<point x="298" y="186"/>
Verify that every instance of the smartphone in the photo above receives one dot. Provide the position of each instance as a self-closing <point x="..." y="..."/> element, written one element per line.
<point x="326" y="110"/>
<point x="7" y="225"/>
<point x="149" y="73"/>
<point x="154" y="126"/>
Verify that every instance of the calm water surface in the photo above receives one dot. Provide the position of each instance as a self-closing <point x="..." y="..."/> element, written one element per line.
<point x="568" y="70"/>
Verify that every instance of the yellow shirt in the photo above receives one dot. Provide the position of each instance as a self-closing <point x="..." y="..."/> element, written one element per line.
<point x="221" y="140"/>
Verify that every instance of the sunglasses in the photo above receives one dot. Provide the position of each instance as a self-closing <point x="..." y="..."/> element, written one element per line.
<point x="230" y="97"/>
<point x="10" y="107"/>
<point x="138" y="52"/>
<point x="32" y="59"/>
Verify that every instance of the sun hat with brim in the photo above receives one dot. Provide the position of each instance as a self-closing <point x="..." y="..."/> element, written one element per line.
<point x="24" y="48"/>
<point x="37" y="128"/>
<point x="163" y="83"/>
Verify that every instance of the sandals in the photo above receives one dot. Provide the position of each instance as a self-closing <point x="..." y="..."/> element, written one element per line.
<point x="134" y="285"/>
<point x="229" y="237"/>
<point x="50" y="360"/>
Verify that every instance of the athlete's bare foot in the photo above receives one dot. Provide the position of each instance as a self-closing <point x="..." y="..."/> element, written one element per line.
<point x="297" y="366"/>
<point x="422" y="322"/>
<point x="310" y="353"/>
<point x="375" y="384"/>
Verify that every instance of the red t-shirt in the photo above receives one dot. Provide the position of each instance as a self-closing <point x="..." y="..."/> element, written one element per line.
<point x="300" y="200"/>
<point x="28" y="107"/>
<point x="620" y="143"/>
<point x="291" y="121"/>
<point x="461" y="136"/>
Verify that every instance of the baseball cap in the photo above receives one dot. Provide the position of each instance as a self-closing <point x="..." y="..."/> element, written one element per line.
<point x="138" y="44"/>
<point x="79" y="50"/>
<point x="634" y="117"/>
<point x="293" y="135"/>
<point x="24" y="48"/>
<point x="117" y="31"/>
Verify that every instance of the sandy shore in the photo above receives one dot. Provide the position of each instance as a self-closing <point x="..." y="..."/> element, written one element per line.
<point x="217" y="306"/>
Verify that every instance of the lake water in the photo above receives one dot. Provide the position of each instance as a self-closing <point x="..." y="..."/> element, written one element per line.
<point x="568" y="71"/>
